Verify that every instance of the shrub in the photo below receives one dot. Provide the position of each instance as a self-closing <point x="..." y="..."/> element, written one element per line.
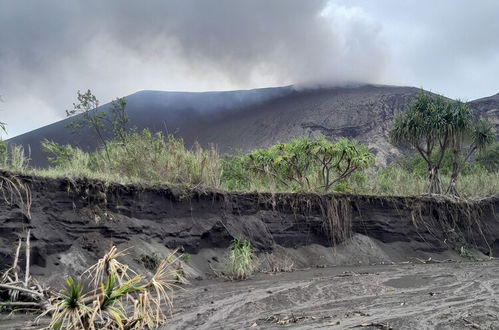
<point x="489" y="158"/>
<point x="299" y="165"/>
<point x="241" y="260"/>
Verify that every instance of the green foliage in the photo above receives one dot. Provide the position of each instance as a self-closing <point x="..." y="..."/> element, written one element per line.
<point x="72" y="295"/>
<point x="120" y="299"/>
<point x="87" y="102"/>
<point x="433" y="126"/>
<point x="89" y="117"/>
<point x="58" y="155"/>
<point x="464" y="252"/>
<point x="13" y="158"/>
<point x="476" y="182"/>
<point x="482" y="135"/>
<point x="186" y="257"/>
<point x="241" y="261"/>
<point x="417" y="166"/>
<point x="298" y="165"/>
<point x="489" y="158"/>
<point x="119" y="119"/>
<point x="146" y="157"/>
<point x="3" y="153"/>
<point x="236" y="175"/>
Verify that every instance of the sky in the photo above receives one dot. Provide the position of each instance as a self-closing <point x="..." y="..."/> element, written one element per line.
<point x="51" y="49"/>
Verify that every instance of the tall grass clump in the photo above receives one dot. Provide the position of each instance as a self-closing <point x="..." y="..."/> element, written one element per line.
<point x="14" y="158"/>
<point x="241" y="261"/>
<point x="143" y="157"/>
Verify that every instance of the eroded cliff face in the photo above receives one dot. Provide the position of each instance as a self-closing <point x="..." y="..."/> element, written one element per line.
<point x="74" y="222"/>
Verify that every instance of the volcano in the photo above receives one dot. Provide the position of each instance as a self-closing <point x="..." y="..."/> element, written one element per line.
<point x="240" y="121"/>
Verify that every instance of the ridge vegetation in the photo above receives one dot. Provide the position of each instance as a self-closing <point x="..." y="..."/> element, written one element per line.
<point x="455" y="154"/>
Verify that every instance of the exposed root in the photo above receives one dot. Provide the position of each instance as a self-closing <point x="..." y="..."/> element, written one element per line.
<point x="337" y="218"/>
<point x="454" y="221"/>
<point x="14" y="191"/>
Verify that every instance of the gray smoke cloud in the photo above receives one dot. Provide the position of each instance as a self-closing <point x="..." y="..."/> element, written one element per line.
<point x="49" y="49"/>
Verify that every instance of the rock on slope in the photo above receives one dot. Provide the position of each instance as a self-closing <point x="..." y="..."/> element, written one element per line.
<point x="487" y="107"/>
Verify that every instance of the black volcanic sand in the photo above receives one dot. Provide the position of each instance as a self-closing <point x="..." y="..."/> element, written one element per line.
<point x="410" y="296"/>
<point x="404" y="296"/>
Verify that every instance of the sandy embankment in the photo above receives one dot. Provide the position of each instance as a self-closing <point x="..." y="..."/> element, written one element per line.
<point x="74" y="222"/>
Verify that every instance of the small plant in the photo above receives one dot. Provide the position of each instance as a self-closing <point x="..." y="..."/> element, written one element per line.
<point x="186" y="257"/>
<point x="241" y="261"/>
<point x="114" y="290"/>
<point x="150" y="262"/>
<point x="464" y="252"/>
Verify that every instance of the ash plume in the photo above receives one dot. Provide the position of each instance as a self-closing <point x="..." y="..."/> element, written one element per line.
<point x="49" y="49"/>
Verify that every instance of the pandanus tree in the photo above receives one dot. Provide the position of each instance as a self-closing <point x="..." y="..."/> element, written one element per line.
<point x="434" y="125"/>
<point x="473" y="137"/>
<point x="305" y="164"/>
<point x="425" y="126"/>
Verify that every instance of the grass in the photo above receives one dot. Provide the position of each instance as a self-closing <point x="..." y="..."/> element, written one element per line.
<point x="241" y="261"/>
<point x="153" y="158"/>
<point x="397" y="181"/>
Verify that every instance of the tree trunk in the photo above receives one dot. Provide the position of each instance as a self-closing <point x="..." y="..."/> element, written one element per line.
<point x="452" y="190"/>
<point x="435" y="186"/>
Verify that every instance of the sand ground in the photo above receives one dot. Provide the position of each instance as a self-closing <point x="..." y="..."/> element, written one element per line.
<point x="404" y="296"/>
<point x="447" y="295"/>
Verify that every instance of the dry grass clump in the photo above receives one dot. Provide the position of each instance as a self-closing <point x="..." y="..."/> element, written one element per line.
<point x="276" y="263"/>
<point x="117" y="298"/>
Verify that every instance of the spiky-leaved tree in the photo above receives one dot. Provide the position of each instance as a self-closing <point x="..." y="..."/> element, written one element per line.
<point x="427" y="125"/>
<point x="475" y="136"/>
<point x="460" y="126"/>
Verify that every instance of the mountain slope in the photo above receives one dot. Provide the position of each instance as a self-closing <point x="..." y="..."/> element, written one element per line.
<point x="487" y="107"/>
<point x="245" y="120"/>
